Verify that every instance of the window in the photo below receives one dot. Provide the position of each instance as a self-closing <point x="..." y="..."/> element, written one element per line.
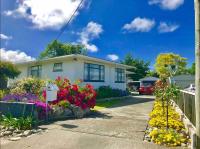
<point x="119" y="75"/>
<point x="94" y="73"/>
<point x="35" y="71"/>
<point x="57" y="67"/>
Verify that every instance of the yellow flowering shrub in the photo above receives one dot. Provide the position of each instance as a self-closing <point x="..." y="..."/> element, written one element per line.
<point x="168" y="137"/>
<point x="174" y="135"/>
<point x="161" y="122"/>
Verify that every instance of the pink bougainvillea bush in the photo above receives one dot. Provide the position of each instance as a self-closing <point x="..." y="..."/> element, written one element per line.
<point x="81" y="96"/>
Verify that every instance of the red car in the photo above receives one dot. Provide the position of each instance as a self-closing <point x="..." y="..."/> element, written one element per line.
<point x="146" y="88"/>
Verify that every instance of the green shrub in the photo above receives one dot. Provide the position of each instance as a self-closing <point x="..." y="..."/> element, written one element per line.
<point x="17" y="123"/>
<point x="168" y="137"/>
<point x="28" y="85"/>
<point x="8" y="70"/>
<point x="107" y="92"/>
<point x="3" y="93"/>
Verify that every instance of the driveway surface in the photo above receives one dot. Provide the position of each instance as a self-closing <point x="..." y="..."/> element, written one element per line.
<point x="119" y="127"/>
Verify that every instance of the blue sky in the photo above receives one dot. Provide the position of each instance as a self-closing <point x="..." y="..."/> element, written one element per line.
<point x="109" y="29"/>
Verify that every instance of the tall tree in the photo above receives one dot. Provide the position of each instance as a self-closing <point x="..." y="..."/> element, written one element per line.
<point x="165" y="59"/>
<point x="191" y="70"/>
<point x="56" y="48"/>
<point x="7" y="70"/>
<point x="152" y="73"/>
<point x="140" y="67"/>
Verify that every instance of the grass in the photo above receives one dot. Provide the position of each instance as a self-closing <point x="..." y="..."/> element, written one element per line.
<point x="106" y="104"/>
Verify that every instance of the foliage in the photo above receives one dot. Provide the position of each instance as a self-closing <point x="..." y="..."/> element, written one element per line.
<point x="107" y="92"/>
<point x="141" y="67"/>
<point x="7" y="70"/>
<point x="30" y="89"/>
<point x="171" y="92"/>
<point x="22" y="123"/>
<point x="56" y="48"/>
<point x="159" y="88"/>
<point x="64" y="104"/>
<point x="20" y="97"/>
<point x="152" y="73"/>
<point x="165" y="59"/>
<point x="158" y="118"/>
<point x="28" y="85"/>
<point x="172" y="136"/>
<point x="191" y="70"/>
<point x="157" y="111"/>
<point x="3" y="93"/>
<point x="42" y="108"/>
<point x="167" y="137"/>
<point x="81" y="96"/>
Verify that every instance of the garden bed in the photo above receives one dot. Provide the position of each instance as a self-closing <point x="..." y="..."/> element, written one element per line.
<point x="158" y="132"/>
<point x="14" y="129"/>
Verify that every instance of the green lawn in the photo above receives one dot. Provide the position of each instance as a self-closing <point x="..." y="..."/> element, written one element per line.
<point x="106" y="104"/>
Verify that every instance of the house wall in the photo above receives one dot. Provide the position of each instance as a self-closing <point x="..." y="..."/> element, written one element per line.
<point x="74" y="70"/>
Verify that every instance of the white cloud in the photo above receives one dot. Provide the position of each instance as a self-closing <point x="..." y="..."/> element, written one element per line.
<point x="45" y="14"/>
<point x="5" y="37"/>
<point x="165" y="28"/>
<point x="14" y="56"/>
<point x="89" y="33"/>
<point x="167" y="4"/>
<point x="113" y="57"/>
<point x="140" y="25"/>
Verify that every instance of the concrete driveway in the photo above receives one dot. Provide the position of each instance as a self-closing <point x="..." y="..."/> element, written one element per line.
<point x="121" y="126"/>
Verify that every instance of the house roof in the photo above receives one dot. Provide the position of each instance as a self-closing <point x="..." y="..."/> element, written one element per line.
<point x="74" y="56"/>
<point x="184" y="77"/>
<point x="149" y="79"/>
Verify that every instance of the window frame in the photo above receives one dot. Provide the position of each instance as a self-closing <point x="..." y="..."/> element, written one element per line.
<point x="58" y="70"/>
<point x="39" y="71"/>
<point x="101" y="69"/>
<point x="120" y="75"/>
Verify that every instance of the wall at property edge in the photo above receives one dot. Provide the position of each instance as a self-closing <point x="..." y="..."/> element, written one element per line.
<point x="17" y="109"/>
<point x="74" y="70"/>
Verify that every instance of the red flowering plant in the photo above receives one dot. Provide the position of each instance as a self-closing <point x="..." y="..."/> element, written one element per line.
<point x="81" y="96"/>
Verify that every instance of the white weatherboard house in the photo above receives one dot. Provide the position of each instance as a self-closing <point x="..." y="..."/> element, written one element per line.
<point x="97" y="72"/>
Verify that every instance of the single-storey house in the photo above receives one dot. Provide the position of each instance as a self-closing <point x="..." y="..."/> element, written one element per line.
<point x="95" y="71"/>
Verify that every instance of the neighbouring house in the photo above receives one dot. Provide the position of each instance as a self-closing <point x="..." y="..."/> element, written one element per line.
<point x="183" y="81"/>
<point x="95" y="71"/>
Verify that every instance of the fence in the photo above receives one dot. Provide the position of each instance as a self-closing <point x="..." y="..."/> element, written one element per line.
<point x="186" y="103"/>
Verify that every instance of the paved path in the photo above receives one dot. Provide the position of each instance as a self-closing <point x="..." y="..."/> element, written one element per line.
<point x="119" y="127"/>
